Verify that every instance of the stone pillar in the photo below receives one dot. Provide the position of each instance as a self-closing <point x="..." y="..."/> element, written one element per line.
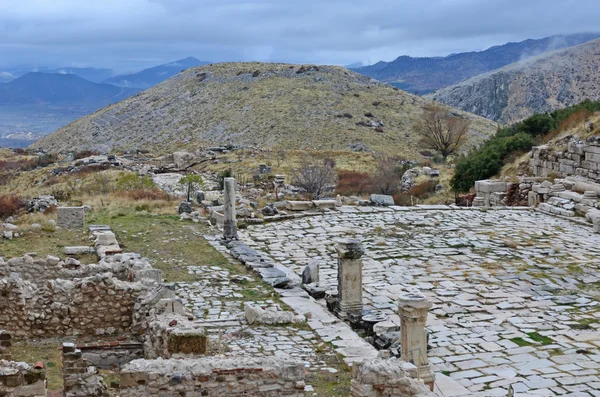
<point x="413" y="309"/>
<point x="349" y="302"/>
<point x="230" y="222"/>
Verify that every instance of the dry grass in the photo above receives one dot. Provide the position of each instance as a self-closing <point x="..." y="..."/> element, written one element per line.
<point x="279" y="108"/>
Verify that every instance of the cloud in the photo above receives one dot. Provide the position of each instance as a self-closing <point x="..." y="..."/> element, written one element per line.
<point x="135" y="33"/>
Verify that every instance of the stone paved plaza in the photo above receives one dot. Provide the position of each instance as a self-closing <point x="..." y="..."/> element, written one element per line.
<point x="515" y="292"/>
<point x="217" y="302"/>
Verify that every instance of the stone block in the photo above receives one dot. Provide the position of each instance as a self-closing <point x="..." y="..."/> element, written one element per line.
<point x="78" y="250"/>
<point x="299" y="205"/>
<point x="325" y="204"/>
<point x="382" y="200"/>
<point x="592" y="157"/>
<point x="487" y="186"/>
<point x="106" y="238"/>
<point x="70" y="217"/>
<point x="591" y="149"/>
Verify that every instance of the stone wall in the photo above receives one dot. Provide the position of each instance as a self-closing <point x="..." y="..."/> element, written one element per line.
<point x="95" y="305"/>
<point x="18" y="379"/>
<point x="214" y="377"/>
<point x="80" y="380"/>
<point x="387" y="377"/>
<point x="125" y="267"/>
<point x="166" y="327"/>
<point x="580" y="158"/>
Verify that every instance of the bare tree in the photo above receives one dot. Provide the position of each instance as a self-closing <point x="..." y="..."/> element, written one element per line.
<point x="314" y="176"/>
<point x="441" y="131"/>
<point x="386" y="179"/>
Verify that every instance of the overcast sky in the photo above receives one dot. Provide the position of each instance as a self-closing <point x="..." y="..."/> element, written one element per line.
<point x="132" y="34"/>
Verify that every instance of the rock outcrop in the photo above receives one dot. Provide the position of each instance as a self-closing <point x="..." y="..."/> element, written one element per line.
<point x="542" y="84"/>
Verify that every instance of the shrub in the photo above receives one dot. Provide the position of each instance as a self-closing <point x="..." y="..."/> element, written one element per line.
<point x="85" y="153"/>
<point x="420" y="192"/>
<point x="487" y="160"/>
<point x="142" y="207"/>
<point x="10" y="205"/>
<point x="220" y="178"/>
<point x="62" y="193"/>
<point x="146" y="194"/>
<point x="314" y="176"/>
<point x="131" y="181"/>
<point x="352" y="182"/>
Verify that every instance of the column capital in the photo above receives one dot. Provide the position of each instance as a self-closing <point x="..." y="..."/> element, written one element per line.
<point x="349" y="249"/>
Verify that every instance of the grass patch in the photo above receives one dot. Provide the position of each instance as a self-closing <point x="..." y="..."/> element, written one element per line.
<point x="171" y="245"/>
<point x="534" y="336"/>
<point x="49" y="352"/>
<point x="544" y="340"/>
<point x="330" y="384"/>
<point x="44" y="242"/>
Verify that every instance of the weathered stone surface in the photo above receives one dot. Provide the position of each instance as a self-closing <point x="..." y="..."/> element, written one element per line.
<point x="298" y="205"/>
<point x="391" y="377"/>
<point x="310" y="274"/>
<point x="185" y="207"/>
<point x="382" y="200"/>
<point x="70" y="217"/>
<point x="229" y="211"/>
<point x="260" y="377"/>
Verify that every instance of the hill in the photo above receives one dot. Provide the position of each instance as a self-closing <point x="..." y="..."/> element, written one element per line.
<point x="96" y="75"/>
<point x="429" y="74"/>
<point x="152" y="76"/>
<point x="60" y="90"/>
<point x="258" y="104"/>
<point x="541" y="84"/>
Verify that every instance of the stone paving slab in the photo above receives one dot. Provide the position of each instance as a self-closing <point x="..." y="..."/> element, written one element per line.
<point x="515" y="292"/>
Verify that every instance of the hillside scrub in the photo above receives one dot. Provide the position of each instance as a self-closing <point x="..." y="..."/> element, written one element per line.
<point x="10" y="205"/>
<point x="487" y="160"/>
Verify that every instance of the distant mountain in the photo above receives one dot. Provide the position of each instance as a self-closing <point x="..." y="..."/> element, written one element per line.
<point x="150" y="77"/>
<point x="424" y="75"/>
<point x="264" y="105"/>
<point x="5" y="77"/>
<point x="541" y="84"/>
<point x="61" y="90"/>
<point x="95" y="75"/>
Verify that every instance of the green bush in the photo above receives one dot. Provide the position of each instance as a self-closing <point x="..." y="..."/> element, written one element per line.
<point x="487" y="160"/>
<point x="130" y="181"/>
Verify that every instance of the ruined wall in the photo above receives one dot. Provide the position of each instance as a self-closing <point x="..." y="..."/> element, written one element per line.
<point x="126" y="267"/>
<point x="94" y="305"/>
<point x="386" y="377"/>
<point x="80" y="380"/>
<point x="21" y="380"/>
<point x="579" y="158"/>
<point x="214" y="377"/>
<point x="166" y="327"/>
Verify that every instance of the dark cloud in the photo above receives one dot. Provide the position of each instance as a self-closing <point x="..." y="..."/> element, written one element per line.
<point x="128" y="34"/>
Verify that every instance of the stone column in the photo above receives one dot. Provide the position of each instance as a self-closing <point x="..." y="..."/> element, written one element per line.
<point x="413" y="309"/>
<point x="349" y="302"/>
<point x="230" y="222"/>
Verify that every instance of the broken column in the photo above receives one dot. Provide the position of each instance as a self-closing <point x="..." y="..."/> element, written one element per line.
<point x="230" y="222"/>
<point x="413" y="309"/>
<point x="349" y="300"/>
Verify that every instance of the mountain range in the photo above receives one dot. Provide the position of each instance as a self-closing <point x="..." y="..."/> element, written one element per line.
<point x="67" y="90"/>
<point x="259" y="104"/>
<point x="424" y="75"/>
<point x="540" y="84"/>
<point x="152" y="76"/>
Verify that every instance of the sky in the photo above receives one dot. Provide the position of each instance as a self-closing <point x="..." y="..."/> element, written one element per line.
<point x="128" y="35"/>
